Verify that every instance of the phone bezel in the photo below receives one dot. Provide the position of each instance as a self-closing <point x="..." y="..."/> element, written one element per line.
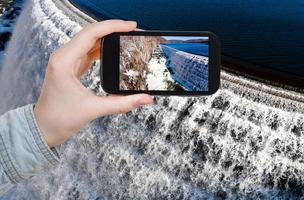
<point x="110" y="57"/>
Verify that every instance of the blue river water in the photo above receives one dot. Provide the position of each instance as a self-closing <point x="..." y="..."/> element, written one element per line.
<point x="194" y="48"/>
<point x="266" y="33"/>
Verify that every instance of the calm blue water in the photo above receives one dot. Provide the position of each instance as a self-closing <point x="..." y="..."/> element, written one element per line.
<point x="194" y="48"/>
<point x="268" y="33"/>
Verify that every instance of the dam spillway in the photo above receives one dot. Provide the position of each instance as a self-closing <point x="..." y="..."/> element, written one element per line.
<point x="244" y="142"/>
<point x="189" y="70"/>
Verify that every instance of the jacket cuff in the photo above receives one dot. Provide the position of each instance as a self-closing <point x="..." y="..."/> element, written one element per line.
<point x="51" y="154"/>
<point x="23" y="149"/>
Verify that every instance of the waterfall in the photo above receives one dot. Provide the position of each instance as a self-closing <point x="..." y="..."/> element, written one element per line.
<point x="245" y="141"/>
<point x="9" y="11"/>
<point x="190" y="70"/>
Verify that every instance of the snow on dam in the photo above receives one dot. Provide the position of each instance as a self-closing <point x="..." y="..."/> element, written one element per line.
<point x="189" y="70"/>
<point x="244" y="142"/>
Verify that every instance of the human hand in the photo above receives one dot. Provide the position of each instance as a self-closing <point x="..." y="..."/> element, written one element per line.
<point x="65" y="105"/>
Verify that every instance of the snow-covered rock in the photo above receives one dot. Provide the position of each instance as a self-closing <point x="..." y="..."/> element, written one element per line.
<point x="136" y="52"/>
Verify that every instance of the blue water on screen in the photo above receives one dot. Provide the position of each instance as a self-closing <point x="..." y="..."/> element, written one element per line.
<point x="193" y="48"/>
<point x="267" y="33"/>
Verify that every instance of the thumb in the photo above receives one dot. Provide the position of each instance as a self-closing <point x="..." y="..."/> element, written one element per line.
<point x="110" y="105"/>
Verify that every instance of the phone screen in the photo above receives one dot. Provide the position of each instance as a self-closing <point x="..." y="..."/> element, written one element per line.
<point x="164" y="63"/>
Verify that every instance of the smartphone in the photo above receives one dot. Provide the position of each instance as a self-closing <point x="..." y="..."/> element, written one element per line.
<point x="160" y="63"/>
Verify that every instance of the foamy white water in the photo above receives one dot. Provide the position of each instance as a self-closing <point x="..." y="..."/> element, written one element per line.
<point x="158" y="75"/>
<point x="188" y="69"/>
<point x="9" y="12"/>
<point x="245" y="141"/>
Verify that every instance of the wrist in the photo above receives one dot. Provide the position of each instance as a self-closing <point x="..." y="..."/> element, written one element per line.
<point x="46" y="128"/>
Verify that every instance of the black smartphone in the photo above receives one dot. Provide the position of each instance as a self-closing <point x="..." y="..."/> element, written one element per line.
<point x="160" y="63"/>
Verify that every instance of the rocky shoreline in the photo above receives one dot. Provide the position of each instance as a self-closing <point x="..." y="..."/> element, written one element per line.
<point x="136" y="52"/>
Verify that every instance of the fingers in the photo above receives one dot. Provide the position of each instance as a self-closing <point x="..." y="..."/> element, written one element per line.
<point x="110" y="105"/>
<point x="85" y="40"/>
<point x="95" y="55"/>
<point x="139" y="29"/>
<point x="84" y="65"/>
<point x="87" y="61"/>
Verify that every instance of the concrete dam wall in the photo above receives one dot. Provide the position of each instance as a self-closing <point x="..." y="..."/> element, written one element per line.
<point x="244" y="142"/>
<point x="189" y="70"/>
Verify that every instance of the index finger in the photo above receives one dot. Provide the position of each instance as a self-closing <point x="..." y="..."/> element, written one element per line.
<point x="85" y="40"/>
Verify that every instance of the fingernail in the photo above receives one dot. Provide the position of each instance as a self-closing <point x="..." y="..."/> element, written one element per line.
<point x="146" y="100"/>
<point x="131" y="22"/>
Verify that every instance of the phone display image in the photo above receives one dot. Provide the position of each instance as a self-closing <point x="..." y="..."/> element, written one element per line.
<point x="164" y="63"/>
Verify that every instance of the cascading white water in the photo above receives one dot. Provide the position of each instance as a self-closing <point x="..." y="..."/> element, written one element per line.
<point x="195" y="75"/>
<point x="245" y="141"/>
<point x="9" y="11"/>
